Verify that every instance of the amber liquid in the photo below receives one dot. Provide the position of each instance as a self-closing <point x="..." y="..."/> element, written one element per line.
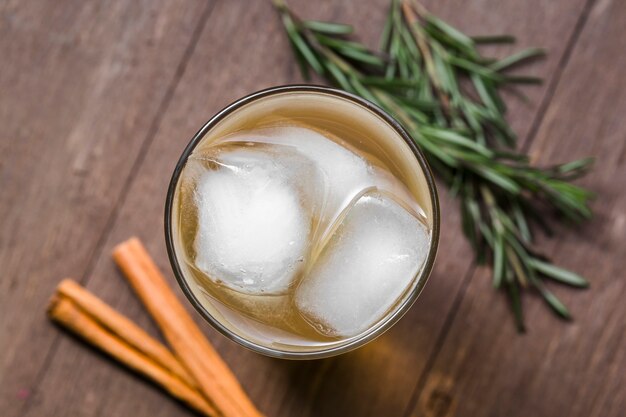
<point x="273" y="320"/>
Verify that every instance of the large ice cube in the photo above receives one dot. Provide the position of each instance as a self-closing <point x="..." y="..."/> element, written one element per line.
<point x="253" y="220"/>
<point x="368" y="263"/>
<point x="344" y="173"/>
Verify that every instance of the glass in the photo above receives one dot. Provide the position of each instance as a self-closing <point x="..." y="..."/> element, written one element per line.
<point x="398" y="145"/>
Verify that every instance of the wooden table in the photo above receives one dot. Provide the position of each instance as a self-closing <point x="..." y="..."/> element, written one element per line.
<point x="98" y="99"/>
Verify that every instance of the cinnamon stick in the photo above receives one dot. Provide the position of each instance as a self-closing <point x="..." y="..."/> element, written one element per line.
<point x="68" y="314"/>
<point x="124" y="328"/>
<point x="214" y="378"/>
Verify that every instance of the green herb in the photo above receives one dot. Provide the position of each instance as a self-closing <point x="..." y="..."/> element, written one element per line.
<point x="432" y="78"/>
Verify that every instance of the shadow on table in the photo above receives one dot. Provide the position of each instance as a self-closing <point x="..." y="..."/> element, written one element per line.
<point x="379" y="377"/>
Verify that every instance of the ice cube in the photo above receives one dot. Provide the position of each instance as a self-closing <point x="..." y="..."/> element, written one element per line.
<point x="345" y="173"/>
<point x="253" y="225"/>
<point x="366" y="266"/>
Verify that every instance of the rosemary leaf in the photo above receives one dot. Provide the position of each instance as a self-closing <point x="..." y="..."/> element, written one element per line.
<point x="517" y="58"/>
<point x="559" y="274"/>
<point x="328" y="27"/>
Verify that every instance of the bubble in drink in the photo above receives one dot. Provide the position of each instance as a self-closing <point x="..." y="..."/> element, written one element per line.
<point x="367" y="264"/>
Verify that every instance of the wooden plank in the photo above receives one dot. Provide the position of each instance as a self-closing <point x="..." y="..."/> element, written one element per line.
<point x="573" y="369"/>
<point x="243" y="50"/>
<point x="81" y="84"/>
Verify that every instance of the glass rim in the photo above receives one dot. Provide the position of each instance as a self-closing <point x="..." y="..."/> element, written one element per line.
<point x="381" y="326"/>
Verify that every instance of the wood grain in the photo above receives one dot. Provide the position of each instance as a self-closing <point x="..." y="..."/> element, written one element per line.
<point x="384" y="372"/>
<point x="81" y="84"/>
<point x="241" y="49"/>
<point x="579" y="368"/>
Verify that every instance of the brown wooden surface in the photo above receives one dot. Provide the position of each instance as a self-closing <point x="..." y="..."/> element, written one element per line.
<point x="97" y="100"/>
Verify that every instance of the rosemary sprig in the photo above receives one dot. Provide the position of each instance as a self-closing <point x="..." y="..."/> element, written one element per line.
<point x="432" y="78"/>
